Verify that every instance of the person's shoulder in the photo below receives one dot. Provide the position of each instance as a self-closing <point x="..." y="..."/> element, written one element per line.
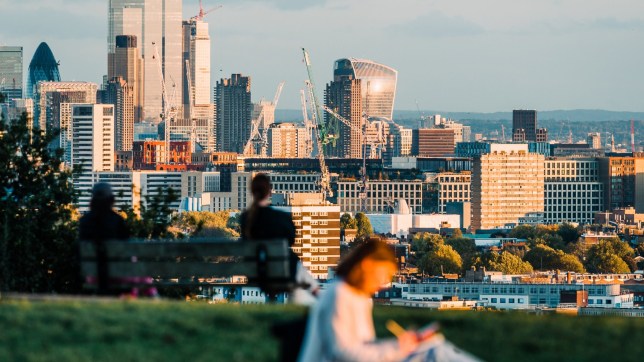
<point x="281" y="214"/>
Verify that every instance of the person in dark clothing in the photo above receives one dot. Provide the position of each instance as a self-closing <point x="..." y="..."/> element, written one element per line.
<point x="262" y="222"/>
<point x="99" y="225"/>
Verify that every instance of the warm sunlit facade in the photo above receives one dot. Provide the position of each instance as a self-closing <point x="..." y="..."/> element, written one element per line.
<point x="378" y="83"/>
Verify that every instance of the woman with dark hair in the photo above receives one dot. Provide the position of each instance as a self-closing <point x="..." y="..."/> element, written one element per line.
<point x="340" y="326"/>
<point x="262" y="222"/>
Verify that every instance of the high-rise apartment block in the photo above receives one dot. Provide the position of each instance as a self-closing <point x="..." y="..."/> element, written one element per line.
<point x="196" y="53"/>
<point x="286" y="140"/>
<point x="42" y="68"/>
<point x="11" y="72"/>
<point x="120" y="94"/>
<point x="573" y="192"/>
<point x="233" y="110"/>
<point x="507" y="184"/>
<point x="52" y="108"/>
<point x="155" y="24"/>
<point x="343" y="95"/>
<point x="317" y="231"/>
<point x="126" y="63"/>
<point x="595" y="140"/>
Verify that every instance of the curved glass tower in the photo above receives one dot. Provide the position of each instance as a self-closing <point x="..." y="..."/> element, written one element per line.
<point x="378" y="84"/>
<point x="43" y="68"/>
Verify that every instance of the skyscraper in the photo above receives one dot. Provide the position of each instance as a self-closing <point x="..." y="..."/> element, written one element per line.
<point x="233" y="110"/>
<point x="286" y="140"/>
<point x="11" y="72"/>
<point x="120" y="94"/>
<point x="152" y="22"/>
<point x="343" y="96"/>
<point x="127" y="63"/>
<point x="43" y="68"/>
<point x="524" y="125"/>
<point x="377" y="87"/>
<point x="196" y="52"/>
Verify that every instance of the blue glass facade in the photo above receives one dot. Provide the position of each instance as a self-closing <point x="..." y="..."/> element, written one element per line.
<point x="43" y="68"/>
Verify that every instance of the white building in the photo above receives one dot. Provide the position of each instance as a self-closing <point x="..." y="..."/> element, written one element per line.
<point x="152" y="22"/>
<point x="380" y="197"/>
<point x="92" y="146"/>
<point x="573" y="192"/>
<point x="399" y="224"/>
<point x="196" y="50"/>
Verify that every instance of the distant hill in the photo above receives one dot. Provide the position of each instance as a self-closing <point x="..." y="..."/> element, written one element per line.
<point x="575" y="115"/>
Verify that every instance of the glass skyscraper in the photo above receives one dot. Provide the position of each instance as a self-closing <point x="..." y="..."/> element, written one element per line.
<point x="11" y="72"/>
<point x="43" y="68"/>
<point x="378" y="84"/>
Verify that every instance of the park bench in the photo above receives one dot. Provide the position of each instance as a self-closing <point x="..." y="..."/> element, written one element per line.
<point x="266" y="264"/>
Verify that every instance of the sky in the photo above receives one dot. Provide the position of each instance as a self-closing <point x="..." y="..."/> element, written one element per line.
<point x="451" y="55"/>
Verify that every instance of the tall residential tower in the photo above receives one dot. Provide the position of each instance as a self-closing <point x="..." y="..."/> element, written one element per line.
<point x="233" y="110"/>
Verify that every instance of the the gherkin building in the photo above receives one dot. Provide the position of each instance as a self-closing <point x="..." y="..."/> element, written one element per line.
<point x="43" y="68"/>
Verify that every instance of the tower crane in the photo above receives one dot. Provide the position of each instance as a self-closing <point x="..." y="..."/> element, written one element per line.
<point x="325" y="177"/>
<point x="307" y="124"/>
<point x="169" y="109"/>
<point x="202" y="14"/>
<point x="258" y="136"/>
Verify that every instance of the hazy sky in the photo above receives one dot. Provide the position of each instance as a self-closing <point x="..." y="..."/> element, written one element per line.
<point x="456" y="55"/>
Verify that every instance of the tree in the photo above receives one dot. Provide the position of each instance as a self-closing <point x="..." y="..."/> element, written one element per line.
<point x="543" y="257"/>
<point x="609" y="256"/>
<point x="523" y="232"/>
<point x="363" y="225"/>
<point x="568" y="233"/>
<point x="205" y="224"/>
<point x="421" y="244"/>
<point x="506" y="263"/>
<point x="154" y="217"/>
<point x="348" y="222"/>
<point x="441" y="259"/>
<point x="457" y="233"/>
<point x="38" y="250"/>
<point x="466" y="248"/>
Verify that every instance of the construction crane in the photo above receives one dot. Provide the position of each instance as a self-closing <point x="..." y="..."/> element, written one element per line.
<point x="258" y="136"/>
<point x="325" y="177"/>
<point x="169" y="109"/>
<point x="307" y="124"/>
<point x="633" y="135"/>
<point x="503" y="133"/>
<point x="202" y="14"/>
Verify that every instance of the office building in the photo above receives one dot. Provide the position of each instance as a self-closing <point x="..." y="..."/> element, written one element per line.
<point x="233" y="110"/>
<point x="204" y="138"/>
<point x="343" y="95"/>
<point x="573" y="192"/>
<point x="317" y="231"/>
<point x="451" y="187"/>
<point x="287" y="140"/>
<point x="155" y="24"/>
<point x="623" y="180"/>
<point x="507" y="184"/>
<point x="120" y="94"/>
<point x="196" y="53"/>
<point x="15" y="108"/>
<point x="52" y="110"/>
<point x="400" y="140"/>
<point x="594" y="140"/>
<point x="524" y="125"/>
<point x="433" y="142"/>
<point x="377" y="85"/>
<point x="151" y="155"/>
<point x="92" y="147"/>
<point x="42" y="68"/>
<point x="127" y="64"/>
<point x="11" y="72"/>
<point x="381" y="196"/>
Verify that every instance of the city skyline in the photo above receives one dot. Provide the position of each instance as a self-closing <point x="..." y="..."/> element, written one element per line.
<point x="461" y="55"/>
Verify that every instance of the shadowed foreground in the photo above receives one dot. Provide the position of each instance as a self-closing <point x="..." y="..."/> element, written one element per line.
<point x="179" y="331"/>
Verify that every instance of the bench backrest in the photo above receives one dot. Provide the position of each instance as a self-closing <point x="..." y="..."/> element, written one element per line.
<point x="263" y="262"/>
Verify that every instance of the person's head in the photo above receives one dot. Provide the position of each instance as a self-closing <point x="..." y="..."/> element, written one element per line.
<point x="369" y="266"/>
<point x="260" y="187"/>
<point x="102" y="197"/>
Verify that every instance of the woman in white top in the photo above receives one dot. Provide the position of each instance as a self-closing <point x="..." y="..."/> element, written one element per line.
<point x="340" y="326"/>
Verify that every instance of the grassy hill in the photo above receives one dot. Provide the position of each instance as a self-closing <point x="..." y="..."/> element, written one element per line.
<point x="179" y="331"/>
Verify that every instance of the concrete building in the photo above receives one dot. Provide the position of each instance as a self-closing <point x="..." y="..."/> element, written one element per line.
<point x="120" y="94"/>
<point x="623" y="180"/>
<point x="343" y="95"/>
<point x="317" y="231"/>
<point x="154" y="23"/>
<point x="377" y="85"/>
<point x="92" y="147"/>
<point x="381" y="196"/>
<point x="151" y="155"/>
<point x="507" y="184"/>
<point x="128" y="65"/>
<point x="595" y="140"/>
<point x="11" y="72"/>
<point x="204" y="128"/>
<point x="573" y="192"/>
<point x="401" y="224"/>
<point x="196" y="51"/>
<point x="400" y="140"/>
<point x="233" y="110"/>
<point x="451" y="187"/>
<point x="287" y="140"/>
<point x="434" y="142"/>
<point x="42" y="68"/>
<point x="52" y="109"/>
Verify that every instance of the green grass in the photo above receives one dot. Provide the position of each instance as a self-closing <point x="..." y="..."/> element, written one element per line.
<point x="179" y="331"/>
